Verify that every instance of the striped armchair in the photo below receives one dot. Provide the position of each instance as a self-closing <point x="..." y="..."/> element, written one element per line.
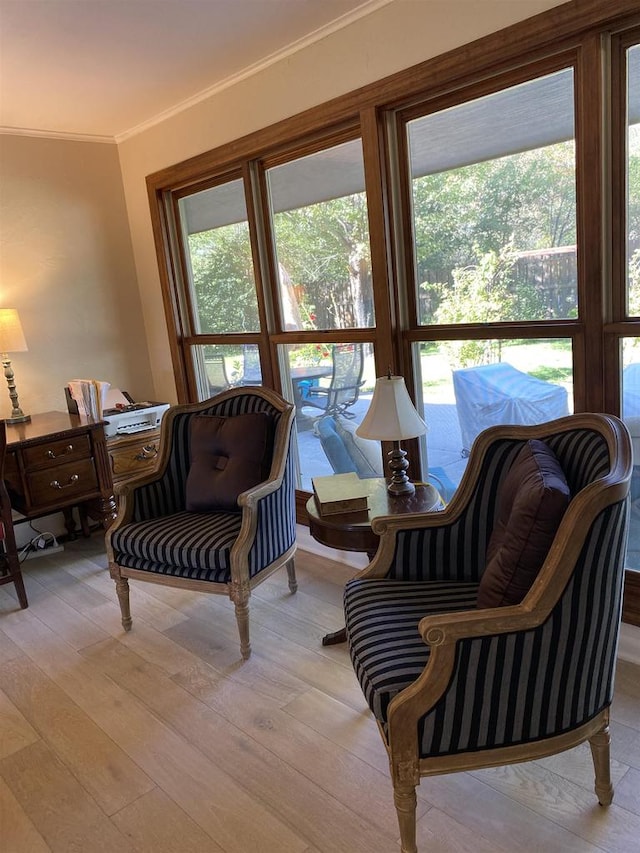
<point x="155" y="538"/>
<point x="454" y="687"/>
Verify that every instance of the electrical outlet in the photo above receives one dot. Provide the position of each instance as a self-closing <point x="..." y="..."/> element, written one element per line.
<point x="44" y="552"/>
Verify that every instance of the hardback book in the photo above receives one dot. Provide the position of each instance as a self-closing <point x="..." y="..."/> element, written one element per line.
<point x="340" y="493"/>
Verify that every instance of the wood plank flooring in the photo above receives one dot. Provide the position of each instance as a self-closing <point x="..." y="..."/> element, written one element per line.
<point x="163" y="741"/>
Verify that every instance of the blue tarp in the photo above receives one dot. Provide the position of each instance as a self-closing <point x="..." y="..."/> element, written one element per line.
<point x="499" y="394"/>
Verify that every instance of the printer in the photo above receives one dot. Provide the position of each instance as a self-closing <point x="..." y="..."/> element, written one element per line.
<point x="122" y="416"/>
<point x="136" y="417"/>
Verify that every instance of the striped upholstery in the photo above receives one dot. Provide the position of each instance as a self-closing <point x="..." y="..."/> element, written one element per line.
<point x="186" y="544"/>
<point x="382" y="618"/>
<point x="276" y="530"/>
<point x="166" y="495"/>
<point x="523" y="687"/>
<point x="506" y="688"/>
<point x="456" y="551"/>
<point x="164" y="538"/>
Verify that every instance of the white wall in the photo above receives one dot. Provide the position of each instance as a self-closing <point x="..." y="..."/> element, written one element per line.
<point x="66" y="264"/>
<point x="395" y="37"/>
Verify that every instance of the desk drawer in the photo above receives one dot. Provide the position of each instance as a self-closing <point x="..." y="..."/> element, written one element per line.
<point x="62" y="483"/>
<point x="133" y="460"/>
<point x="54" y="453"/>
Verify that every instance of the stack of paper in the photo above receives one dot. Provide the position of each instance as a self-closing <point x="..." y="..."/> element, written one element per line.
<point x="90" y="395"/>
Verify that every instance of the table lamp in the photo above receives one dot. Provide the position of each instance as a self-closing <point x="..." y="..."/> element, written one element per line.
<point x="393" y="417"/>
<point x="12" y="340"/>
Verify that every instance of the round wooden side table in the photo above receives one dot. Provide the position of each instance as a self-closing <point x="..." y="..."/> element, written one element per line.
<point x="351" y="531"/>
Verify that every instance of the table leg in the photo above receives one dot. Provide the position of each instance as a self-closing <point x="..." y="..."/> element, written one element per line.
<point x="340" y="636"/>
<point x="335" y="637"/>
<point x="69" y="522"/>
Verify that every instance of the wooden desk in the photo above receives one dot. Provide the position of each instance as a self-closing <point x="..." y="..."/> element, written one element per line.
<point x="352" y="531"/>
<point x="132" y="455"/>
<point x="57" y="461"/>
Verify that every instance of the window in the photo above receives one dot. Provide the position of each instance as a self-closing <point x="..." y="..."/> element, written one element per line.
<point x="494" y="206"/>
<point x="321" y="230"/>
<point x="633" y="180"/>
<point x="449" y="222"/>
<point x="320" y="226"/>
<point x="493" y="214"/>
<point x="222" y="287"/>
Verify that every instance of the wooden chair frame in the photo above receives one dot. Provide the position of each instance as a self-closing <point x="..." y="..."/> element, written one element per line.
<point x="445" y="631"/>
<point x="240" y="583"/>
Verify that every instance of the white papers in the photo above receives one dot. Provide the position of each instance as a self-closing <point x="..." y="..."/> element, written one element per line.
<point x="90" y="395"/>
<point x="114" y="398"/>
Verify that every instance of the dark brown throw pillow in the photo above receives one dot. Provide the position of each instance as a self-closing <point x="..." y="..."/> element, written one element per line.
<point x="531" y="503"/>
<point x="228" y="456"/>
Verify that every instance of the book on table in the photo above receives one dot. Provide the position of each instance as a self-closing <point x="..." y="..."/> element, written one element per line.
<point x="340" y="493"/>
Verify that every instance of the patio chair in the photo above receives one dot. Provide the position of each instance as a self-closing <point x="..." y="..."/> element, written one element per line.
<point x="218" y="513"/>
<point x="344" y="388"/>
<point x="217" y="374"/>
<point x="251" y="371"/>
<point x="486" y="634"/>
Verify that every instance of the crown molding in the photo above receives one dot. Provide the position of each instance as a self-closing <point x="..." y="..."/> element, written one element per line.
<point x="345" y="20"/>
<point x="53" y="134"/>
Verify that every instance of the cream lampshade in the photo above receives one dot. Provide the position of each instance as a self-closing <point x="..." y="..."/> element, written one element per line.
<point x="393" y="417"/>
<point x="12" y="340"/>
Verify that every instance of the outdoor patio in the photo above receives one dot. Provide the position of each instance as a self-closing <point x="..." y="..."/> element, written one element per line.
<point x="444" y="443"/>
<point x="444" y="450"/>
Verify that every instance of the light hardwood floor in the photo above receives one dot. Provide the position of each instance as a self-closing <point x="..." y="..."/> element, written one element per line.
<point x="163" y="741"/>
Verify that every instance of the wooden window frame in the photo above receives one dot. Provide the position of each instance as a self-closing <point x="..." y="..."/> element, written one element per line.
<point x="576" y="29"/>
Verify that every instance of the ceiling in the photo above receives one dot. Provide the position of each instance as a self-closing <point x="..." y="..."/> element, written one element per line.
<point x="106" y="69"/>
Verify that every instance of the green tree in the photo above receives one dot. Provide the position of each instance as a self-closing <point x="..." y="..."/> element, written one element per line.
<point x="525" y="200"/>
<point x="481" y="293"/>
<point x="324" y="248"/>
<point x="223" y="282"/>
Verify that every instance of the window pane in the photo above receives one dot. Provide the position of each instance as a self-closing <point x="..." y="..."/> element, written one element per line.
<point x="218" y="251"/>
<point x="631" y="416"/>
<point x="527" y="382"/>
<point x="218" y="368"/>
<point x="633" y="180"/>
<point x="331" y="386"/>
<point x="321" y="232"/>
<point x="494" y="206"/>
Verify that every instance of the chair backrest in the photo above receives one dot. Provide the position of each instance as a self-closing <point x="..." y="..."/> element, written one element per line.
<point x="169" y="489"/>
<point x="216" y="374"/>
<point x="562" y="661"/>
<point x="346" y="376"/>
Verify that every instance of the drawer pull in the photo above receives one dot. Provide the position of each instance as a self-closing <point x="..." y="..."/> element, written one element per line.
<point x="147" y="452"/>
<point x="55" y="484"/>
<point x="68" y="449"/>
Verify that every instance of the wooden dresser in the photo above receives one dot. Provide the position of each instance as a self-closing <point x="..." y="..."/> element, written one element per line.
<point x="56" y="462"/>
<point x="132" y="455"/>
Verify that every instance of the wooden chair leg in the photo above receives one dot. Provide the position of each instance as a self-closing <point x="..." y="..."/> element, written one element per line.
<point x="14" y="576"/>
<point x="291" y="572"/>
<point x="600" y="752"/>
<point x="239" y="592"/>
<point x="20" y="590"/>
<point x="405" y="802"/>
<point x="122" y="591"/>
